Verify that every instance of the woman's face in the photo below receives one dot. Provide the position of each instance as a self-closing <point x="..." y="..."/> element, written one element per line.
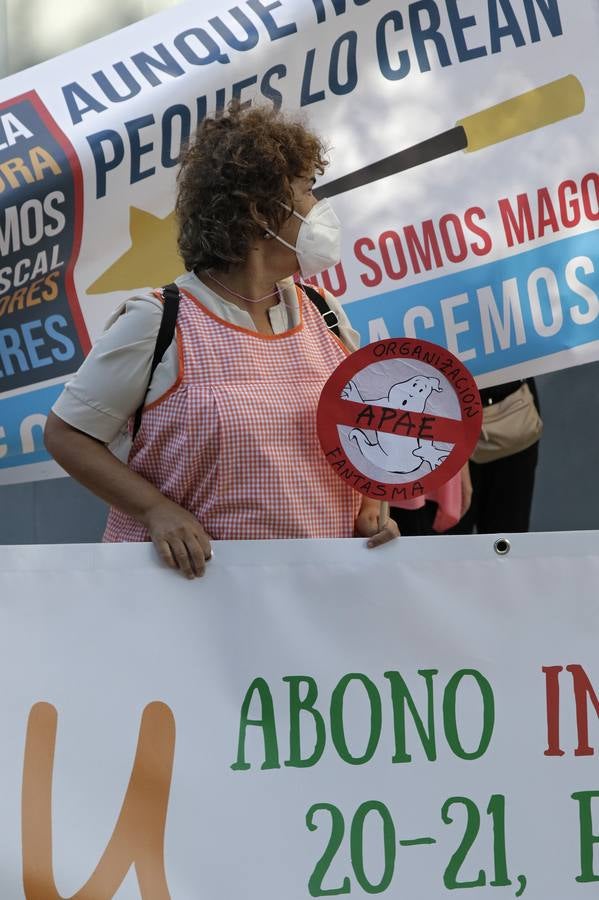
<point x="303" y="201"/>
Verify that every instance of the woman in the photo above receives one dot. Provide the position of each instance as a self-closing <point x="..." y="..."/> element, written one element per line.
<point x="227" y="447"/>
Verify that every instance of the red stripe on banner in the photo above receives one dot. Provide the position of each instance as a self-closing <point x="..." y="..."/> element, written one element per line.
<point x="402" y="422"/>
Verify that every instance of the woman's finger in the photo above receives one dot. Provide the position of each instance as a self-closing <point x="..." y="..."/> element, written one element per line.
<point x="389" y="533"/>
<point x="197" y="552"/>
<point x="204" y="541"/>
<point x="164" y="552"/>
<point x="179" y="551"/>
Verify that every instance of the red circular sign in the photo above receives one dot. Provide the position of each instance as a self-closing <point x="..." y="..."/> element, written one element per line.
<point x="399" y="418"/>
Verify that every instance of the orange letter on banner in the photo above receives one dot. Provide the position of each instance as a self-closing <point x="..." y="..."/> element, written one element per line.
<point x="138" y="836"/>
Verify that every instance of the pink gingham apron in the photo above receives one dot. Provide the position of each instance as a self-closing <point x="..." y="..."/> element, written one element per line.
<point x="234" y="440"/>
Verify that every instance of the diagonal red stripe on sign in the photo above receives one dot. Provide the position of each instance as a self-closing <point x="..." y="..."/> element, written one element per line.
<point x="404" y="423"/>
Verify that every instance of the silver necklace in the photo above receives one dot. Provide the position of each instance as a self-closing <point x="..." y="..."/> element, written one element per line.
<point x="241" y="297"/>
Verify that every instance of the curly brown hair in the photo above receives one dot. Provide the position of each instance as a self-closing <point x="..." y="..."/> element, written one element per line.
<point x="234" y="175"/>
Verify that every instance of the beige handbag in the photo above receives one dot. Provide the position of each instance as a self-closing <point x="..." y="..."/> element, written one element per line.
<point x="509" y="426"/>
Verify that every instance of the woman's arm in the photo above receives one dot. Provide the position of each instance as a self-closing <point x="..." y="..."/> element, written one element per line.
<point x="177" y="535"/>
<point x="466" y="482"/>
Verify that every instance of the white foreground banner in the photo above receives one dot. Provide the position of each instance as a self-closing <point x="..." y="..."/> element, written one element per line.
<point x="311" y="719"/>
<point x="479" y="232"/>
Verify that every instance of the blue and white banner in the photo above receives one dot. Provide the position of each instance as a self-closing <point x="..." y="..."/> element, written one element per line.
<point x="464" y="143"/>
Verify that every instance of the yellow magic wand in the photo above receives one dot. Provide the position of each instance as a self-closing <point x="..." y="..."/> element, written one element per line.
<point x="153" y="257"/>
<point x="527" y="112"/>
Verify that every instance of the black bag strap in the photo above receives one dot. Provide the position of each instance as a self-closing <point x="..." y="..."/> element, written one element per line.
<point x="330" y="318"/>
<point x="166" y="333"/>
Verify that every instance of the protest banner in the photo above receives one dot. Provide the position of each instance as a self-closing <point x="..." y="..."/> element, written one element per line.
<point x="310" y="719"/>
<point x="463" y="143"/>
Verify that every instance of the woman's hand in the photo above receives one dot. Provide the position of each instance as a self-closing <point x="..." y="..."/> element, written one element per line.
<point x="178" y="537"/>
<point x="367" y="524"/>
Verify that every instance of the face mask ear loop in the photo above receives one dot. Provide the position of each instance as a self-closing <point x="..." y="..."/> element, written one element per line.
<point x="293" y="212"/>
<point x="282" y="240"/>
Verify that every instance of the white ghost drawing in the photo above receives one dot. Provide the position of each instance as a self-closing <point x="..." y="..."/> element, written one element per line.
<point x="398" y="454"/>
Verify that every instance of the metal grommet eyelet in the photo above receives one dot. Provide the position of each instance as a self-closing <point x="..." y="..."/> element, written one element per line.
<point x="502" y="546"/>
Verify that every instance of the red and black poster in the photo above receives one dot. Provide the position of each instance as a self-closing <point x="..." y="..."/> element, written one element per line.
<point x="399" y="418"/>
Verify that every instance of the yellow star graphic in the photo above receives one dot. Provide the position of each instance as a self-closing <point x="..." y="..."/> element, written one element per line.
<point x="152" y="258"/>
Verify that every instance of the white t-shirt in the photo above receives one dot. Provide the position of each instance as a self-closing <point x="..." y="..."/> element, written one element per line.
<point x="112" y="381"/>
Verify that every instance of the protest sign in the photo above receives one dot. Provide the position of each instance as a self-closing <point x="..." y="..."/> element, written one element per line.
<point x="478" y="231"/>
<point x="399" y="418"/>
<point x="310" y="719"/>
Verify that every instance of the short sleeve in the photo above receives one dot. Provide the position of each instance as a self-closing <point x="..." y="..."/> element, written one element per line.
<point x="112" y="381"/>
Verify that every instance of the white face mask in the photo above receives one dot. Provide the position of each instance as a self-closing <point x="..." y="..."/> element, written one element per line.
<point x="318" y="243"/>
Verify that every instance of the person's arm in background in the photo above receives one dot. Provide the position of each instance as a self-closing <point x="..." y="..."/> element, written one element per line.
<point x="367" y="522"/>
<point x="94" y="408"/>
<point x="466" y="489"/>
